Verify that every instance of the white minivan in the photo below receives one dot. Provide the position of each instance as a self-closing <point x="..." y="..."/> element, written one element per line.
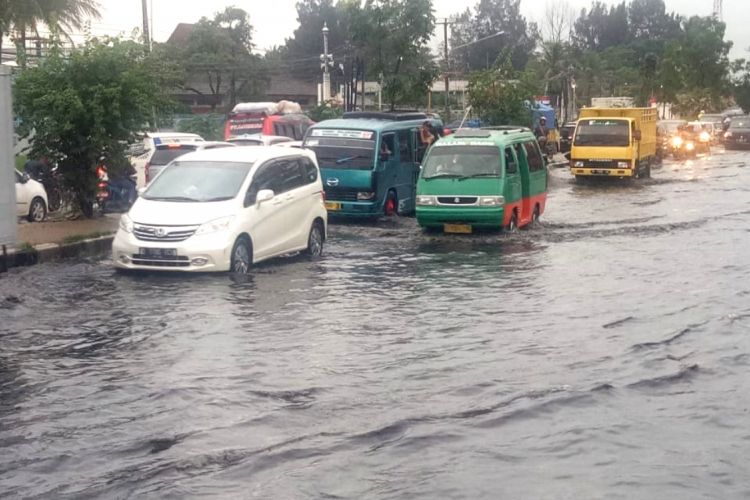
<point x="225" y="209"/>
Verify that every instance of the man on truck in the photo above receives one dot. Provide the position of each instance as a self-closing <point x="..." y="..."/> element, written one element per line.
<point x="617" y="142"/>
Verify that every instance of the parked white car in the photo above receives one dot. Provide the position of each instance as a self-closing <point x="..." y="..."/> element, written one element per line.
<point x="31" y="198"/>
<point x="225" y="209"/>
<point x="165" y="153"/>
<point x="150" y="141"/>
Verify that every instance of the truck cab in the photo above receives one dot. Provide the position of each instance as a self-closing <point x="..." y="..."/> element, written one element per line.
<point x="618" y="142"/>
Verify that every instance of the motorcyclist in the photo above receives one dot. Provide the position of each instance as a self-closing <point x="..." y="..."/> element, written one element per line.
<point x="541" y="130"/>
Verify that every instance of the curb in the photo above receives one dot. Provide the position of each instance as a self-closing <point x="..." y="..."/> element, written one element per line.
<point x="51" y="252"/>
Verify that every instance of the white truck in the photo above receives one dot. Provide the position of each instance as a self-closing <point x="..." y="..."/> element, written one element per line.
<point x="612" y="102"/>
<point x="8" y="217"/>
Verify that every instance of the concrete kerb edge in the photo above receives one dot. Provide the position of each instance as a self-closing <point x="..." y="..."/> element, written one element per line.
<point x="50" y="252"/>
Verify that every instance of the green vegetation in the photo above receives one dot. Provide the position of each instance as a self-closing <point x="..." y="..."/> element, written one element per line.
<point x="87" y="107"/>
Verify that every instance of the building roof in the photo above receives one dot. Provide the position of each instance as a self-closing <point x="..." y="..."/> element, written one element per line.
<point x="181" y="34"/>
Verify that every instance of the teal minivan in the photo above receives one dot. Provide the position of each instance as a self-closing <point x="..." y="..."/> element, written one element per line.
<point x="369" y="162"/>
<point x="479" y="178"/>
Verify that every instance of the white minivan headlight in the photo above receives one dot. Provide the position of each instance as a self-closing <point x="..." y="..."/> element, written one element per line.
<point x="216" y="225"/>
<point x="126" y="223"/>
<point x="491" y="201"/>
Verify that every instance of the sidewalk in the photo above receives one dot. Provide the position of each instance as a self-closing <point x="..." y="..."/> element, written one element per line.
<point x="66" y="231"/>
<point x="61" y="239"/>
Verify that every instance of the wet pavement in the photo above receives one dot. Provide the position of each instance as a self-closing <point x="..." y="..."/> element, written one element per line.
<point x="602" y="355"/>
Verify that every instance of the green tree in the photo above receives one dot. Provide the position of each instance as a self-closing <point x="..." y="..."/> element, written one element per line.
<point x="741" y="83"/>
<point x="500" y="96"/>
<point x="476" y="39"/>
<point x="392" y="37"/>
<point x="60" y="16"/>
<point x="217" y="58"/>
<point x="696" y="65"/>
<point x="90" y="105"/>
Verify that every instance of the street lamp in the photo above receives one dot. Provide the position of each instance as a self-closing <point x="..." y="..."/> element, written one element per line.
<point x="573" y="86"/>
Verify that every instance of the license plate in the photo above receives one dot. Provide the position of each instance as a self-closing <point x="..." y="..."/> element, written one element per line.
<point x="158" y="253"/>
<point x="457" y="228"/>
<point x="333" y="205"/>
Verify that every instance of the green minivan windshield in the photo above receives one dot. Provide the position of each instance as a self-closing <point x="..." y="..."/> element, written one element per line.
<point x="462" y="162"/>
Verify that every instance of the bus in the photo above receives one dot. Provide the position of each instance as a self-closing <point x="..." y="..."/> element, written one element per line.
<point x="369" y="161"/>
<point x="479" y="178"/>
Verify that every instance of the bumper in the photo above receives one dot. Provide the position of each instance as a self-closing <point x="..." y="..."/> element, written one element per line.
<point x="354" y="208"/>
<point x="204" y="253"/>
<point x="602" y="172"/>
<point x="489" y="217"/>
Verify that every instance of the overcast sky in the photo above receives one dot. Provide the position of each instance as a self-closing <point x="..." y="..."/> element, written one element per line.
<point x="275" y="20"/>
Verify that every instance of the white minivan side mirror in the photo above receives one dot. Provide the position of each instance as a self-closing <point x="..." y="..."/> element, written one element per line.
<point x="264" y="195"/>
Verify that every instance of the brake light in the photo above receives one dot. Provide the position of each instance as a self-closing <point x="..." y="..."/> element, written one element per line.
<point x="174" y="146"/>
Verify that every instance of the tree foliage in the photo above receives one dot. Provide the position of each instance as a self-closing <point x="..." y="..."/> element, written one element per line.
<point x="90" y="105"/>
<point x="499" y="96"/>
<point x="477" y="43"/>
<point x="217" y="58"/>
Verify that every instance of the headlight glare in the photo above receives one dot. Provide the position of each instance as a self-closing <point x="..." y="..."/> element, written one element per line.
<point x="677" y="141"/>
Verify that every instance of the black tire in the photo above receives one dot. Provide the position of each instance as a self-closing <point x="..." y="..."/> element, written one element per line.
<point x="37" y="210"/>
<point x="534" y="217"/>
<point x="646" y="174"/>
<point x="512" y="226"/>
<point x="242" y="256"/>
<point x="315" y="240"/>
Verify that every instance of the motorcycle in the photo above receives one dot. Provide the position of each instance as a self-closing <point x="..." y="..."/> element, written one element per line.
<point x="115" y="194"/>
<point x="682" y="148"/>
<point x="547" y="147"/>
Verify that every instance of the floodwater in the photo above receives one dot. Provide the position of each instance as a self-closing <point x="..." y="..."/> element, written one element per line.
<point x="603" y="355"/>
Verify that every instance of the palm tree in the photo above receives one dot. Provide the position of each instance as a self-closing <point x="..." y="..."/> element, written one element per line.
<point x="61" y="16"/>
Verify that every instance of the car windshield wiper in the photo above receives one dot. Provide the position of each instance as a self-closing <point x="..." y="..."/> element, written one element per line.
<point x="483" y="174"/>
<point x="170" y="198"/>
<point x="348" y="159"/>
<point x="218" y="198"/>
<point x="442" y="174"/>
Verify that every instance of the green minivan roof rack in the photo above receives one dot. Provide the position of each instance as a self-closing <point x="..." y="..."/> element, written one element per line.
<point x="506" y="129"/>
<point x="472" y="132"/>
<point x="396" y="116"/>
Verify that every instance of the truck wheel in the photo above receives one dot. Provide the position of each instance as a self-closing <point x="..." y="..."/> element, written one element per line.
<point x="512" y="226"/>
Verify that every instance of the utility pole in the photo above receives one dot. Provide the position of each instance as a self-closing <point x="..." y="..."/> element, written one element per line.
<point x="326" y="59"/>
<point x="446" y="79"/>
<point x="146" y="32"/>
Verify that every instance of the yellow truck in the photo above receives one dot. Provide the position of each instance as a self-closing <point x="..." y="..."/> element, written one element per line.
<point x="614" y="142"/>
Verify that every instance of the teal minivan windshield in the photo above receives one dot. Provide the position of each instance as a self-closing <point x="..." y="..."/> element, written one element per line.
<point x="351" y="150"/>
<point x="462" y="161"/>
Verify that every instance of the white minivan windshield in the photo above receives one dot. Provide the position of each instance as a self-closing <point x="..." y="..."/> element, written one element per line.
<point x="198" y="181"/>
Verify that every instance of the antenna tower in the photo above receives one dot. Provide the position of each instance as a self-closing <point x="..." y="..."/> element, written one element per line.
<point x="718" y="14"/>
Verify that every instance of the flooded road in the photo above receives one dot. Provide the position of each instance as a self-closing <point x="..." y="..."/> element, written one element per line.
<point x="603" y="355"/>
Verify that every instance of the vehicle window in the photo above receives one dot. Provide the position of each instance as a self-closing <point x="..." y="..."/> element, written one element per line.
<point x="290" y="174"/>
<point x="266" y="177"/>
<point x="216" y="146"/>
<point x="511" y="167"/>
<point x="602" y="132"/>
<point x="405" y="149"/>
<point x="162" y="156"/>
<point x="198" y="181"/>
<point x="462" y="161"/>
<point x="309" y="170"/>
<point x="387" y="141"/>
<point x="533" y="156"/>
<point x="342" y="149"/>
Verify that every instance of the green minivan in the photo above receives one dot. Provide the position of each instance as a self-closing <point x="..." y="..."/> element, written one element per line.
<point x="480" y="178"/>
